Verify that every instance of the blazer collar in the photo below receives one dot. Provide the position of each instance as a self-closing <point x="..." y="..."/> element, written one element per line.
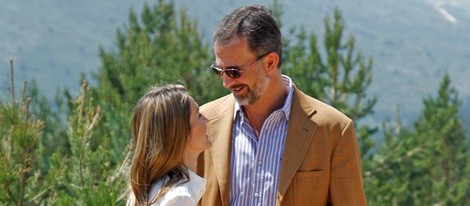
<point x="299" y="133"/>
<point x="222" y="144"/>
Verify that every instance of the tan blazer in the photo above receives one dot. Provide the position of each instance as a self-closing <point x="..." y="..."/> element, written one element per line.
<point x="321" y="164"/>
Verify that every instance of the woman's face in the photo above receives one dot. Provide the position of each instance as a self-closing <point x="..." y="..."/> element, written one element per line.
<point x="198" y="140"/>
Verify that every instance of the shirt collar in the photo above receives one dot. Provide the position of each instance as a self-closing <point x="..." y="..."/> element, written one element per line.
<point x="287" y="102"/>
<point x="197" y="184"/>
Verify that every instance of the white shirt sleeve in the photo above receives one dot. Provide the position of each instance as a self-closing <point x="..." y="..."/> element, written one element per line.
<point x="186" y="194"/>
<point x="177" y="200"/>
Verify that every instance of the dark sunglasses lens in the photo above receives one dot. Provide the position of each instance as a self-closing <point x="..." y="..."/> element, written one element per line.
<point x="233" y="73"/>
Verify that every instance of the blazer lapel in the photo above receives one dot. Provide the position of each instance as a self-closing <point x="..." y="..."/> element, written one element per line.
<point x="299" y="134"/>
<point x="220" y="134"/>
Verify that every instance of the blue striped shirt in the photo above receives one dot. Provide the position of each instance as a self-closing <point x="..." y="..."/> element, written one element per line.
<point x="256" y="161"/>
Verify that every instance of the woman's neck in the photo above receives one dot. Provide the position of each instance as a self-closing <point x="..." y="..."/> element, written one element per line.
<point x="190" y="161"/>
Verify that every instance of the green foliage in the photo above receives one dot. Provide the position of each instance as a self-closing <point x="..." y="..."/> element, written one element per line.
<point x="429" y="163"/>
<point x="340" y="79"/>
<point x="158" y="47"/>
<point x="20" y="180"/>
<point x="36" y="172"/>
<point x="441" y="126"/>
<point x="92" y="178"/>
<point x="52" y="128"/>
<point x="77" y="152"/>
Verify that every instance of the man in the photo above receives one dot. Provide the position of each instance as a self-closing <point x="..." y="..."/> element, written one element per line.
<point x="272" y="144"/>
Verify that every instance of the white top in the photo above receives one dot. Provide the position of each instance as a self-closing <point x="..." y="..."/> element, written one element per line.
<point x="186" y="194"/>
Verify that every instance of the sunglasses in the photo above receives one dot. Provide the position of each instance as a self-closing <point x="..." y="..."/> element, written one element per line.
<point x="234" y="72"/>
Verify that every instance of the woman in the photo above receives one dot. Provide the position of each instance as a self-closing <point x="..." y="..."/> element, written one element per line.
<point x="169" y="134"/>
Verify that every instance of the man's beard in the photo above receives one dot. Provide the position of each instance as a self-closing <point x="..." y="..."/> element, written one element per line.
<point x="254" y="94"/>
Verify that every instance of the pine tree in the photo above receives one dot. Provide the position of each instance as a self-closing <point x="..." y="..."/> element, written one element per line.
<point x="339" y="79"/>
<point x="440" y="127"/>
<point x="88" y="175"/>
<point x="157" y="47"/>
<point x="427" y="165"/>
<point x="20" y="132"/>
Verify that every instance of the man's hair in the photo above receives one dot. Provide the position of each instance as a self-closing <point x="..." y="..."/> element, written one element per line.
<point x="256" y="24"/>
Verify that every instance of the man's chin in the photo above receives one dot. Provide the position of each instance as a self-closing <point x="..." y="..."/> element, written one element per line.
<point x="242" y="101"/>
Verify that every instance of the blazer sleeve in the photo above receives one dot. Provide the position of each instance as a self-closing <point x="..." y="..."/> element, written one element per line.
<point x="346" y="187"/>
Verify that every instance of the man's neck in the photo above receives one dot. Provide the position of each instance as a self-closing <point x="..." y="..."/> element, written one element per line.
<point x="258" y="112"/>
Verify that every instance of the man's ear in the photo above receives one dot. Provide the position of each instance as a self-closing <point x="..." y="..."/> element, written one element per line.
<point x="272" y="60"/>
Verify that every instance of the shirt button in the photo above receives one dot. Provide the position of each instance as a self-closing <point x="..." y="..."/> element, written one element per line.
<point x="257" y="194"/>
<point x="260" y="162"/>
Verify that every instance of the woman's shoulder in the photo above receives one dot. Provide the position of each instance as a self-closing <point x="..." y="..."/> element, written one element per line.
<point x="176" y="198"/>
<point x="179" y="194"/>
<point x="182" y="193"/>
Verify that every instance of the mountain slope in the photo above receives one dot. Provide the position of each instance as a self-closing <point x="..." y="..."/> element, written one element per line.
<point x="413" y="43"/>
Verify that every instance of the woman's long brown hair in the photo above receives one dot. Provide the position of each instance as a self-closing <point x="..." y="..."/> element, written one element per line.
<point x="160" y="127"/>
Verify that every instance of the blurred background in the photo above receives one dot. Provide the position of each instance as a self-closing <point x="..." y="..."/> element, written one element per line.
<point x="66" y="137"/>
<point x="412" y="43"/>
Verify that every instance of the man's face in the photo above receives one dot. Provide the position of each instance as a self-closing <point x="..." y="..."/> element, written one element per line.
<point x="253" y="80"/>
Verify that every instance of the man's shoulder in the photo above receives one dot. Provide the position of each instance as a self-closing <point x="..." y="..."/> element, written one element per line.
<point x="322" y="110"/>
<point x="217" y="105"/>
<point x="217" y="102"/>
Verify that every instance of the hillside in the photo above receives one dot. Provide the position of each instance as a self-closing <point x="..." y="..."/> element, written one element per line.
<point x="413" y="43"/>
<point x="54" y="41"/>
